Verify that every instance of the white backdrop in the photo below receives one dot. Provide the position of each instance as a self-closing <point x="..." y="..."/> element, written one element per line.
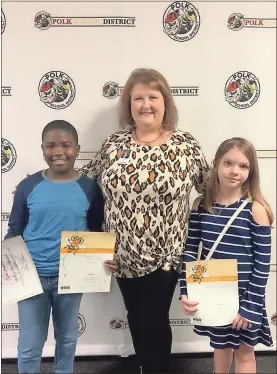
<point x="101" y="52"/>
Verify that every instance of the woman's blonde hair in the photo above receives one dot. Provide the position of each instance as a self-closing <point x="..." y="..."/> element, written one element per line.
<point x="250" y="188"/>
<point x="156" y="81"/>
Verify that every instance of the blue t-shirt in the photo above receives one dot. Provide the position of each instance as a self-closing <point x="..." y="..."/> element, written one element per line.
<point x="42" y="208"/>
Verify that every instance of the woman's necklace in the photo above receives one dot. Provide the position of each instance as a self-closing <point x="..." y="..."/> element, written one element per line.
<point x="152" y="141"/>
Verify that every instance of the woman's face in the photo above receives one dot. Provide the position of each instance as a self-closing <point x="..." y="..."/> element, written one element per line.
<point x="147" y="107"/>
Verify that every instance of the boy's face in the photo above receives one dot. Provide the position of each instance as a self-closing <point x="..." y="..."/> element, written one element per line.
<point x="60" y="150"/>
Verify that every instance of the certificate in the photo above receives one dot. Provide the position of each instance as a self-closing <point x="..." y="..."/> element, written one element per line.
<point x="82" y="257"/>
<point x="214" y="285"/>
<point x="19" y="275"/>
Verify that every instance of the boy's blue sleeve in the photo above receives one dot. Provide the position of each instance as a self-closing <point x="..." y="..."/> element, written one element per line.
<point x="95" y="215"/>
<point x="19" y="215"/>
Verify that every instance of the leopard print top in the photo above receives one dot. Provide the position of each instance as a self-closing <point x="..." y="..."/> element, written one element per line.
<point x="146" y="192"/>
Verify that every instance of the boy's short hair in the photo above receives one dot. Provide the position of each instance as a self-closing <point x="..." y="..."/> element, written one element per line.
<point x="60" y="124"/>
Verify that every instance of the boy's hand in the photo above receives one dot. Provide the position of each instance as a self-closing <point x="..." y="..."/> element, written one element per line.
<point x="112" y="264"/>
<point x="240" y="323"/>
<point x="188" y="306"/>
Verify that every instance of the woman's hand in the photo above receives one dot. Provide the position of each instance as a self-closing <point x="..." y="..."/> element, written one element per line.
<point x="112" y="264"/>
<point x="240" y="323"/>
<point x="188" y="306"/>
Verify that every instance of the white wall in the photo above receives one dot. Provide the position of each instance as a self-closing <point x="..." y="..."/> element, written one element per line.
<point x="92" y="56"/>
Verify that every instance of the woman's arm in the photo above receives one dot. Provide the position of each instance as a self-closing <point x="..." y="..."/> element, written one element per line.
<point x="202" y="170"/>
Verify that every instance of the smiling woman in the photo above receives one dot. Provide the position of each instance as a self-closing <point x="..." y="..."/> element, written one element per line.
<point x="146" y="173"/>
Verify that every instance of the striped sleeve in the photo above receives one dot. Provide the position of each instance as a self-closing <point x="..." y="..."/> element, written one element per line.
<point x="252" y="303"/>
<point x="191" y="247"/>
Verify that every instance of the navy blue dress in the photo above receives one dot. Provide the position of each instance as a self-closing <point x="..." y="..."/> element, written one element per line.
<point x="250" y="244"/>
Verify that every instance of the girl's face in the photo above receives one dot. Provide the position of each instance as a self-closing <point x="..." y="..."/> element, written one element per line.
<point x="147" y="107"/>
<point x="233" y="169"/>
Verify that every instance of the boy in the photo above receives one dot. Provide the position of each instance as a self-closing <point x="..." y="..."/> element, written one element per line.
<point x="46" y="203"/>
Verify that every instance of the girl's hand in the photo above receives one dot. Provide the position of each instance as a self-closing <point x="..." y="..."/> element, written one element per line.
<point x="240" y="323"/>
<point x="112" y="264"/>
<point x="188" y="306"/>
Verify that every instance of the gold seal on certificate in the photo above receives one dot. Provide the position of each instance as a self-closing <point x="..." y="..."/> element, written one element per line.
<point x="214" y="285"/>
<point x="82" y="257"/>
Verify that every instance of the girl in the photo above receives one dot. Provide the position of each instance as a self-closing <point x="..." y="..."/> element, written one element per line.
<point x="234" y="178"/>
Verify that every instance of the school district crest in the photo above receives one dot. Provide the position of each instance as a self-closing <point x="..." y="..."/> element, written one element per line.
<point x="56" y="89"/>
<point x="111" y="90"/>
<point x="242" y="89"/>
<point x="81" y="325"/>
<point x="42" y="20"/>
<point x="181" y="21"/>
<point x="3" y="21"/>
<point x="8" y="155"/>
<point x="118" y="324"/>
<point x="235" y="22"/>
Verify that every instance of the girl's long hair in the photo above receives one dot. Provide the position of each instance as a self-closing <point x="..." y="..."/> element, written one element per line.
<point x="250" y="188"/>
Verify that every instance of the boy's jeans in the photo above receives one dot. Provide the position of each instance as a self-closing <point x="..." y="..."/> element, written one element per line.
<point x="34" y="314"/>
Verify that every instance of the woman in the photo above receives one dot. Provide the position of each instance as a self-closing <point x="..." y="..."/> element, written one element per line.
<point x="146" y="173"/>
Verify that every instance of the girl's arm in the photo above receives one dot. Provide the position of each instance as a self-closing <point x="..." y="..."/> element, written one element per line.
<point x="252" y="304"/>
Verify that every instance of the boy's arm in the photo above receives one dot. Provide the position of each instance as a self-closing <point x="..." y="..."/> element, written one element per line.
<point x="19" y="215"/>
<point x="95" y="215"/>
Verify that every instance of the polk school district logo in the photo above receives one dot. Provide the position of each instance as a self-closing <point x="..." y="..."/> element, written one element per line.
<point x="181" y="21"/>
<point x="118" y="324"/>
<point x="8" y="155"/>
<point x="3" y="21"/>
<point x="237" y="21"/>
<point x="111" y="90"/>
<point x="81" y="324"/>
<point x="56" y="89"/>
<point x="242" y="89"/>
<point x="44" y="20"/>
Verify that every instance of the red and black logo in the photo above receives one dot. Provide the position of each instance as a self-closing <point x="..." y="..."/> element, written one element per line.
<point x="181" y="21"/>
<point x="8" y="155"/>
<point x="242" y="89"/>
<point x="56" y="89"/>
<point x="237" y="21"/>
